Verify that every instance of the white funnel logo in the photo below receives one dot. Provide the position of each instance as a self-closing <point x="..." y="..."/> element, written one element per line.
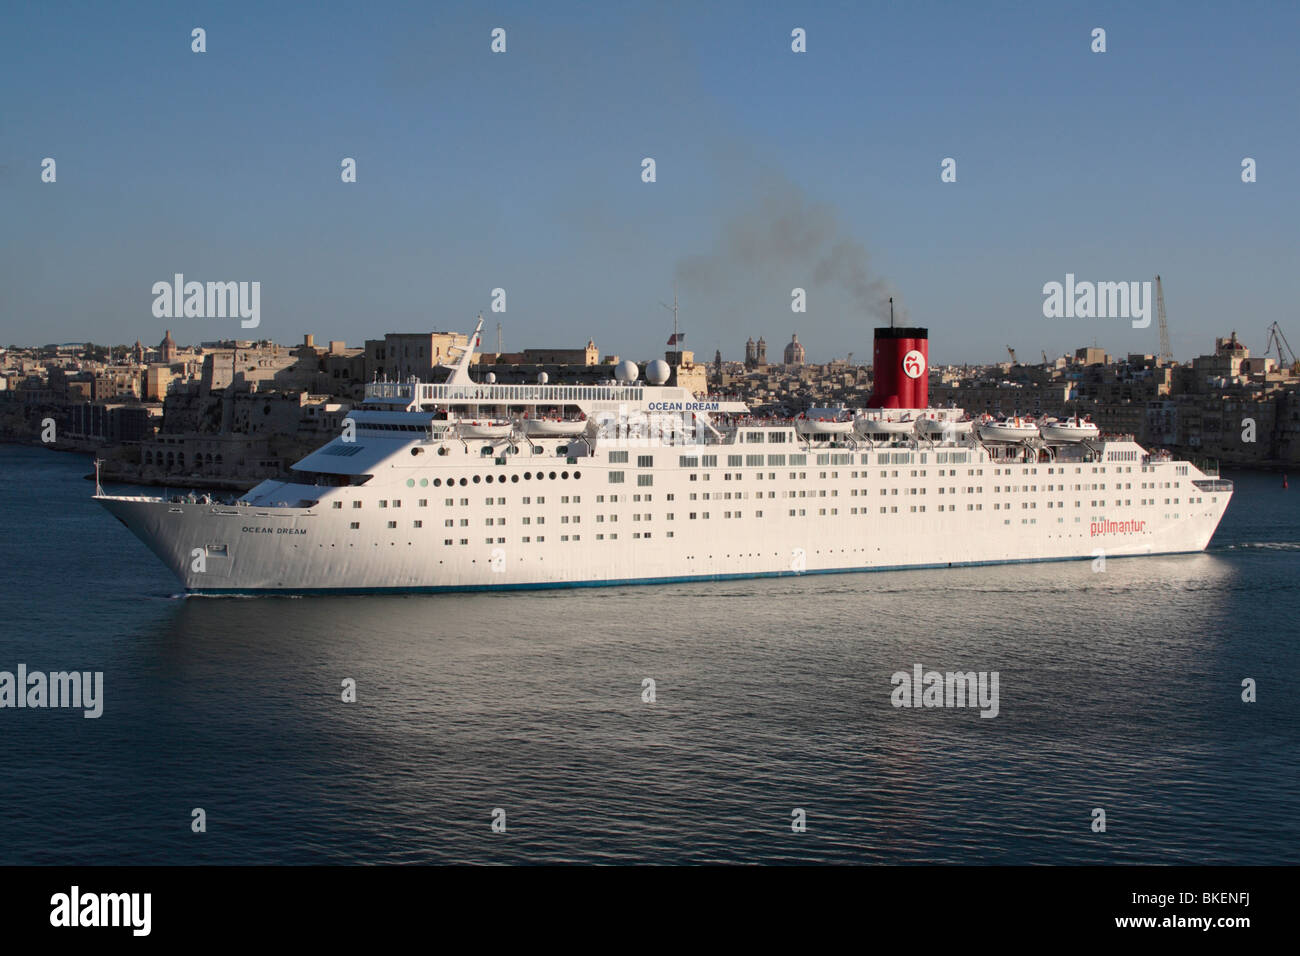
<point x="913" y="364"/>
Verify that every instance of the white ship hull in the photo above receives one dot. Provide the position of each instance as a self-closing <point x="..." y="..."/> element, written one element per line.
<point x="261" y="549"/>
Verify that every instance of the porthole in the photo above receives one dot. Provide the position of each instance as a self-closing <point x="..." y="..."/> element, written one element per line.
<point x="514" y="478"/>
<point x="552" y="476"/>
<point x="527" y="475"/>
<point x="424" y="482"/>
<point x="489" y="479"/>
<point x="476" y="479"/>
<point x="410" y="482"/>
<point x="437" y="482"/>
<point x="577" y="474"/>
<point x="415" y="451"/>
<point x="462" y="482"/>
<point x="564" y="474"/>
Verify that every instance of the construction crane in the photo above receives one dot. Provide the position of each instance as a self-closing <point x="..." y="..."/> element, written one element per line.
<point x="1275" y="337"/>
<point x="1012" y="353"/>
<point x="1166" y="351"/>
<point x="1044" y="356"/>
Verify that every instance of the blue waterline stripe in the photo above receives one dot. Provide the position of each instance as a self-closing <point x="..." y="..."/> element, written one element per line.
<point x="626" y="582"/>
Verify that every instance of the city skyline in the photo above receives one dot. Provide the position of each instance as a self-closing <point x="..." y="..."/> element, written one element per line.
<point x="737" y="357"/>
<point x="775" y="170"/>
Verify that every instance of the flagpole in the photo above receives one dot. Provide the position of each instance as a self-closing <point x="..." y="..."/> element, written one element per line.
<point x="677" y="345"/>
<point x="675" y="341"/>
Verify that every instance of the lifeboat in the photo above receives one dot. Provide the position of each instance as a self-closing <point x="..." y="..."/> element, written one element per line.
<point x="936" y="426"/>
<point x="1070" y="429"/>
<point x="485" y="429"/>
<point x="814" y="426"/>
<point x="885" y="426"/>
<point x="1009" y="429"/>
<point x="544" y="427"/>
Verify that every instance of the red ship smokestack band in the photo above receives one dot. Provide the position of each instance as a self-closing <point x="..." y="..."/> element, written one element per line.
<point x="901" y="365"/>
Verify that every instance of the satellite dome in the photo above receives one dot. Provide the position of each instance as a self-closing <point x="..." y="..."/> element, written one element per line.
<point x="657" y="372"/>
<point x="626" y="371"/>
<point x="491" y="378"/>
<point x="542" y="378"/>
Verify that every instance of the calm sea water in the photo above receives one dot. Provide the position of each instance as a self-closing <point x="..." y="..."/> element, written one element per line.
<point x="1118" y="690"/>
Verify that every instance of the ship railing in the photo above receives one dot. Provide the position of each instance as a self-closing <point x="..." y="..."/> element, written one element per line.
<point x="503" y="394"/>
<point x="1212" y="484"/>
<point x="1209" y="466"/>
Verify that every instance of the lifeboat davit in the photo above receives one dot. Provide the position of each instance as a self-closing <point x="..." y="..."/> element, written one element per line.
<point x="1009" y="429"/>
<point x="1070" y="429"/>
<point x="485" y="429"/>
<point x="544" y="427"/>
<point x="814" y="426"/>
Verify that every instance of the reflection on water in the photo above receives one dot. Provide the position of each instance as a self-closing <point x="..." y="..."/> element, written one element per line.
<point x="1117" y="690"/>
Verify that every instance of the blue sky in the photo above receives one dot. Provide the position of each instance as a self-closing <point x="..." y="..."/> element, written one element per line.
<point x="522" y="170"/>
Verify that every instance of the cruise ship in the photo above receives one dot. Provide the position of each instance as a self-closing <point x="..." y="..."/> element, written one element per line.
<point x="474" y="485"/>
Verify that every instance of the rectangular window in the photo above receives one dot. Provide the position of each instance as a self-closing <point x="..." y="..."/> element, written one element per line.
<point x="618" y="457"/>
<point x="616" y="477"/>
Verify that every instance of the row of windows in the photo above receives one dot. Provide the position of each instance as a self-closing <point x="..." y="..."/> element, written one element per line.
<point x="793" y="512"/>
<point x="500" y="478"/>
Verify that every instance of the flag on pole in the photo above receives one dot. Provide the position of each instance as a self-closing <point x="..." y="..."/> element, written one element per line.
<point x="677" y="338"/>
